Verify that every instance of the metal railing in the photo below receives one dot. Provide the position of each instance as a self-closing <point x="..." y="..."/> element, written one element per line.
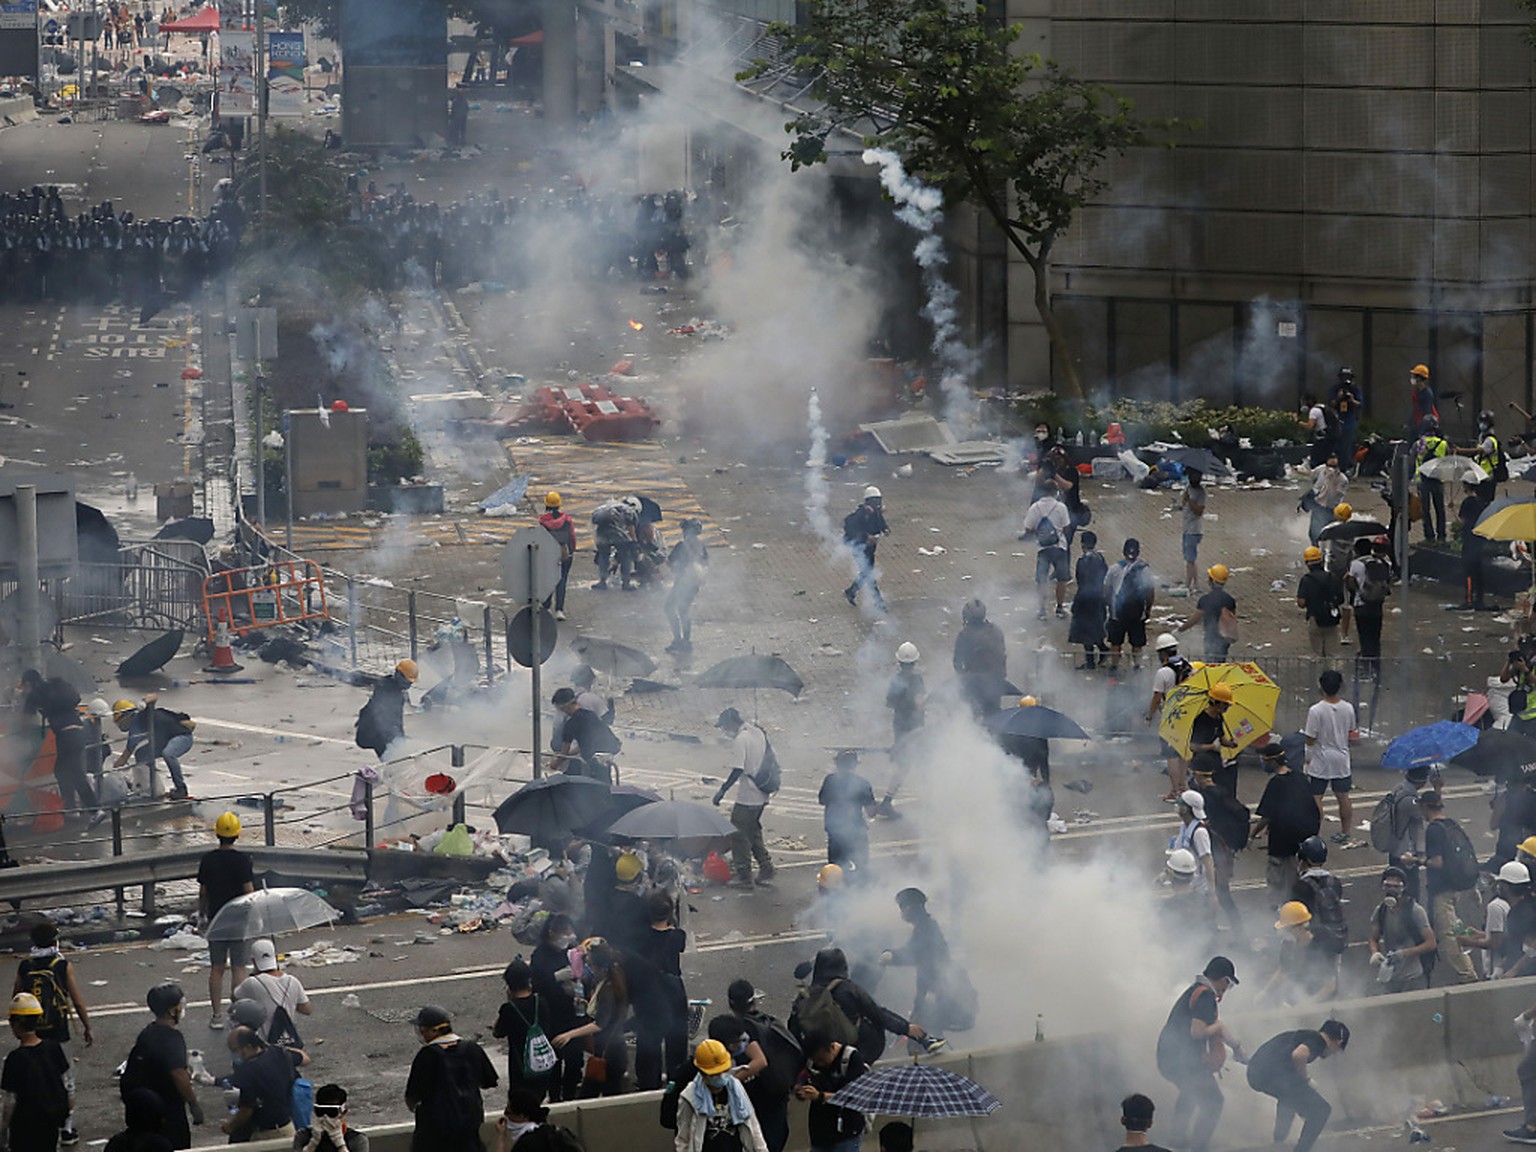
<point x="152" y="584"/>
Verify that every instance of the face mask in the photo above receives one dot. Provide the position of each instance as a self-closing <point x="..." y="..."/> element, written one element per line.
<point x="1042" y="435"/>
<point x="1389" y="900"/>
<point x="1529" y="949"/>
<point x="566" y="942"/>
<point x="719" y="1081"/>
<point x="517" y="1129"/>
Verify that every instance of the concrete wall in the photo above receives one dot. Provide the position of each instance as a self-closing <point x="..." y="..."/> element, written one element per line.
<point x="1452" y="1044"/>
<point x="17" y="110"/>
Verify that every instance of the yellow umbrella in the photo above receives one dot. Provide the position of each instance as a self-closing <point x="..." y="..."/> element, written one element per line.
<point x="1254" y="697"/>
<point x="1517" y="522"/>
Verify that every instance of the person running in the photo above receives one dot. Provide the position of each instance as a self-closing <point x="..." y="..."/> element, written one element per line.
<point x="443" y="1091"/>
<point x="981" y="659"/>
<point x="1320" y="594"/>
<point x="833" y="1004"/>
<point x="381" y="720"/>
<point x="1089" y="610"/>
<point x="37" y="1083"/>
<point x="1131" y="592"/>
<point x="1192" y="506"/>
<point x="1328" y="727"/>
<point x="1279" y="1069"/>
<point x="944" y="997"/>
<point x="862" y="530"/>
<point x="1328" y="486"/>
<point x="223" y="874"/>
<point x="1216" y="613"/>
<point x="1191" y="1049"/>
<point x="749" y="752"/>
<point x="689" y="562"/>
<point x="56" y="700"/>
<point x="563" y="528"/>
<point x="906" y="696"/>
<point x="1136" y="1113"/>
<point x="158" y="1062"/>
<point x="1172" y="670"/>
<point x="847" y="801"/>
<point x="1048" y="522"/>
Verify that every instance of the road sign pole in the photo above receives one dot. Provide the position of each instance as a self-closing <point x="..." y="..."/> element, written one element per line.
<point x="538" y="739"/>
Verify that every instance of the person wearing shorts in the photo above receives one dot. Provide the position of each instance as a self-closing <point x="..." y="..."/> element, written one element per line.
<point x="1192" y="522"/>
<point x="223" y="874"/>
<point x="1327" y="728"/>
<point x="1130" y="592"/>
<point x="1048" y="520"/>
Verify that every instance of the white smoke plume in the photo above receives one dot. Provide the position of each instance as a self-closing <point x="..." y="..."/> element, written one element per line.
<point x="817" y="494"/>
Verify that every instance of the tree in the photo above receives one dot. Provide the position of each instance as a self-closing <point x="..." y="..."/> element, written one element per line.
<point x="940" y="84"/>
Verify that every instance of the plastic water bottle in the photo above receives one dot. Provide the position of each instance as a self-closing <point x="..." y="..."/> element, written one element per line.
<point x="133" y="488"/>
<point x="1039" y="1027"/>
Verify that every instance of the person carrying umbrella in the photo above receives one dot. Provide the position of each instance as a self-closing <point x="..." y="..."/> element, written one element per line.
<point x="155" y="733"/>
<point x="223" y="874"/>
<point x="749" y="751"/>
<point x="714" y="1109"/>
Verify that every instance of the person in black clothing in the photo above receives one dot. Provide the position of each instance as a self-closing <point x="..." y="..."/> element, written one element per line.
<point x="906" y="695"/>
<point x="264" y="1077"/>
<point x="661" y="1010"/>
<point x="1208" y="736"/>
<point x="56" y="700"/>
<point x="1090" y="609"/>
<point x="158" y="1062"/>
<point x="829" y="1067"/>
<point x="1290" y="815"/>
<point x="872" y="1020"/>
<point x="1136" y="1113"/>
<point x="1191" y="1036"/>
<point x="522" y="1009"/>
<point x="769" y="1087"/>
<point x="1208" y="614"/>
<point x="583" y="742"/>
<point x="38" y="1088"/>
<point x="847" y="800"/>
<point x="1279" y="1069"/>
<point x="1320" y="595"/>
<point x="1473" y="546"/>
<point x="143" y="1118"/>
<point x="625" y="917"/>
<point x="944" y="995"/>
<point x="51" y="978"/>
<point x="606" y="980"/>
<point x="222" y="875"/>
<point x="555" y="985"/>
<point x="862" y="529"/>
<point x="381" y="721"/>
<point x="448" y="1074"/>
<point x="981" y="658"/>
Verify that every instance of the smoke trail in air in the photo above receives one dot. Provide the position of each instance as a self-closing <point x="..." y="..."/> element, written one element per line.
<point x="817" y="494"/>
<point x="921" y="208"/>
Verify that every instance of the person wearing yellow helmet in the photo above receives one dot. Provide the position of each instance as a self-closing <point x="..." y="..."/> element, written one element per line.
<point x="223" y="874"/>
<point x="1216" y="612"/>
<point x="562" y="527"/>
<point x="1320" y="596"/>
<point x="1423" y="410"/>
<point x="155" y="733"/>
<point x="380" y="725"/>
<point x="38" y="1083"/>
<point x="714" y="1106"/>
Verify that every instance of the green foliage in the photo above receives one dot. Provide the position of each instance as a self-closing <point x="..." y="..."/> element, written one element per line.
<point x="1145" y="421"/>
<point x="399" y="459"/>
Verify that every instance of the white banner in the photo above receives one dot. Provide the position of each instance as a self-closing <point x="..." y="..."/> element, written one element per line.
<point x="237" y="74"/>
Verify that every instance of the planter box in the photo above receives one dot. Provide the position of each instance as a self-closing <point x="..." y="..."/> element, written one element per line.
<point x="418" y="499"/>
<point x="1444" y="567"/>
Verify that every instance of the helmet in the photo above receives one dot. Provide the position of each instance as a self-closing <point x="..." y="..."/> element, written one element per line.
<point x="1221" y="693"/>
<point x="1431" y="424"/>
<point x="551" y="499"/>
<point x="1292" y="913"/>
<point x="973" y="612"/>
<point x="121" y="708"/>
<point x="711" y="1058"/>
<point x="829" y="876"/>
<point x="632" y="503"/>
<point x="1313" y="850"/>
<point x="1485" y="417"/>
<point x="1528" y="845"/>
<point x="872" y="493"/>
<point x="25" y="1004"/>
<point x="227" y="826"/>
<point x="1420" y="370"/>
<point x="1028" y="702"/>
<point x="1346" y="373"/>
<point x="1343" y="510"/>
<point x="99" y="708"/>
<point x="1166" y="641"/>
<point x="1181" y="862"/>
<point x="627" y="867"/>
<point x="1515" y="873"/>
<point x="1313" y="554"/>
<point x="1218" y="573"/>
<point x="163" y="997"/>
<point x="907" y="653"/>
<point x="408" y="669"/>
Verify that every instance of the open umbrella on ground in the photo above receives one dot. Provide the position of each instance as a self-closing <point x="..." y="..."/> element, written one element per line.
<point x="916" y="1090"/>
<point x="198" y="529"/>
<point x="1429" y="744"/>
<point x="1035" y="720"/>
<point x="1252" y="714"/>
<point x="1202" y="460"/>
<point x="1499" y="752"/>
<point x="1453" y="468"/>
<point x="1352" y="529"/>
<point x="552" y="806"/>
<point x="757" y="670"/>
<point x="270" y="912"/>
<point x="152" y="657"/>
<point x="690" y="828"/>
<point x="612" y="657"/>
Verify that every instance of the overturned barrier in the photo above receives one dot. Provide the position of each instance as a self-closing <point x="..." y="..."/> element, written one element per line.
<point x="16" y="110"/>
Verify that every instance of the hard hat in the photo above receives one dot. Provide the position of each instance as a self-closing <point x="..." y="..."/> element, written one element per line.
<point x="163" y="997"/>
<point x="632" y="503"/>
<point x="1420" y="370"/>
<point x="711" y="1058"/>
<point x="1313" y="554"/>
<point x="1515" y="873"/>
<point x="829" y="876"/>
<point x="1028" y="702"/>
<point x="123" y="707"/>
<point x="551" y="499"/>
<point x="1431" y="424"/>
<point x="99" y="708"/>
<point x="1485" y="416"/>
<point x="1221" y="693"/>
<point x="1166" y="641"/>
<point x="227" y="826"/>
<point x="1528" y="845"/>
<point x="25" y="1004"/>
<point x="907" y="653"/>
<point x="1292" y="913"/>
<point x="973" y="611"/>
<point x="1314" y="850"/>
<point x="1181" y="862"/>
<point x="872" y="493"/>
<point x="408" y="669"/>
<point x="627" y="867"/>
<point x="1218" y="573"/>
<point x="1343" y="510"/>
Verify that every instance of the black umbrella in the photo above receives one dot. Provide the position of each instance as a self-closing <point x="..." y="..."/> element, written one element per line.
<point x="552" y="806"/>
<point x="650" y="511"/>
<point x="198" y="529"/>
<point x="759" y="670"/>
<point x="1498" y="752"/>
<point x="625" y="798"/>
<point x="612" y="657"/>
<point x="1202" y="460"/>
<point x="1034" y="720"/>
<point x="1352" y="529"/>
<point x="689" y="826"/>
<point x="152" y="657"/>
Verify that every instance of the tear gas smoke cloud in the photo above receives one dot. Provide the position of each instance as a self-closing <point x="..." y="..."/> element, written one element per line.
<point x="921" y="208"/>
<point x="817" y="493"/>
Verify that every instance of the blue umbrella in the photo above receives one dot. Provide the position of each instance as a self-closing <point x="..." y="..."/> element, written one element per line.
<point x="1420" y="747"/>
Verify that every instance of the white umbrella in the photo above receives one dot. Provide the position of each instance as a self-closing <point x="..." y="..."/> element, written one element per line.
<point x="1452" y="468"/>
<point x="270" y="912"/>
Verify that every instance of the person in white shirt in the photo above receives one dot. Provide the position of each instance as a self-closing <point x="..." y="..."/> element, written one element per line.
<point x="749" y="744"/>
<point x="1194" y="836"/>
<point x="1171" y="669"/>
<point x="1047" y="521"/>
<point x="1328" y="486"/>
<point x="1329" y="723"/>
<point x="272" y="989"/>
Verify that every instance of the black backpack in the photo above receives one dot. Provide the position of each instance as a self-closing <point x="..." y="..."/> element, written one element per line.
<point x="1459" y="868"/>
<point x="1227" y="817"/>
<point x="853" y="526"/>
<point x="1377" y="585"/>
<point x="785" y="1060"/>
<point x="1047" y="535"/>
<point x="1182" y="669"/>
<point x="817" y="1011"/>
<point x="769" y="777"/>
<point x="1324" y="895"/>
<point x="46" y="981"/>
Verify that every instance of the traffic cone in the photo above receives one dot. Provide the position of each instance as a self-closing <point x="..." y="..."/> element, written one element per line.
<point x="223" y="652"/>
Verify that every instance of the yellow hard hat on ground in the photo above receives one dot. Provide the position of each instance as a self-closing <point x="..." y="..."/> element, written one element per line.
<point x="1218" y="573"/>
<point x="408" y="669"/>
<point x="1292" y="913"/>
<point x="227" y="826"/>
<point x="1221" y="693"/>
<point x="1313" y="554"/>
<point x="1028" y="702"/>
<point x="551" y="499"/>
<point x="711" y="1058"/>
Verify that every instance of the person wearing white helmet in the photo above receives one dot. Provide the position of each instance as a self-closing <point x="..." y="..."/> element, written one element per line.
<point x="1490" y="939"/>
<point x="862" y="529"/>
<point x="1172" y="670"/>
<point x="905" y="696"/>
